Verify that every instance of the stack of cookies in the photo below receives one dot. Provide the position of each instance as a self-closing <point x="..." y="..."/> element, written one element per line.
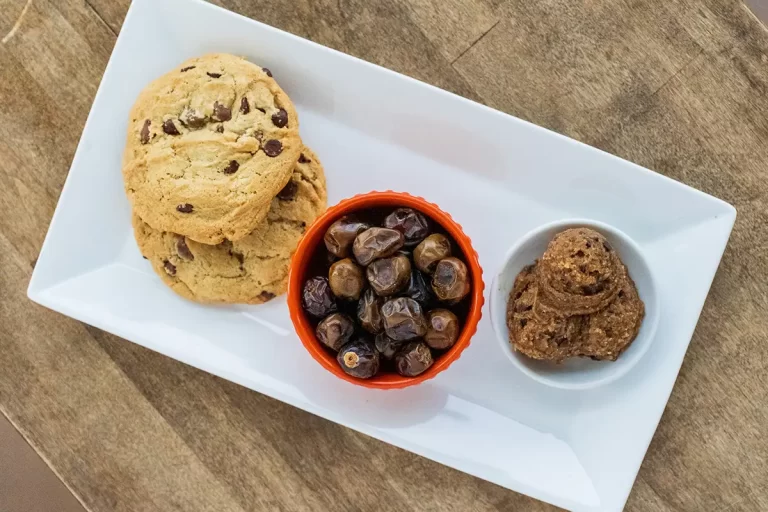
<point x="578" y="300"/>
<point x="222" y="187"/>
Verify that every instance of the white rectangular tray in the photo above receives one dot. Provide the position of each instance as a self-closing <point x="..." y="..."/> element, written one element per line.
<point x="374" y="130"/>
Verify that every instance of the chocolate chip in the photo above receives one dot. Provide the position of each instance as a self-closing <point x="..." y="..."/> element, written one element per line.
<point x="145" y="132"/>
<point x="303" y="159"/>
<point x="213" y="75"/>
<point x="239" y="257"/>
<point x="185" y="208"/>
<point x="273" y="147"/>
<point x="170" y="268"/>
<point x="170" y="128"/>
<point x="265" y="296"/>
<point x="245" y="107"/>
<point x="261" y="110"/>
<point x="220" y="128"/>
<point x="523" y="322"/>
<point x="221" y="112"/>
<point x="144" y="257"/>
<point x="280" y="118"/>
<point x="267" y="71"/>
<point x="232" y="167"/>
<point x="182" y="249"/>
<point x="289" y="191"/>
<point x="184" y="70"/>
<point x="192" y="118"/>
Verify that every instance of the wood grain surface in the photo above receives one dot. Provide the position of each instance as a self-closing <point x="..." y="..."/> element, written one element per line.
<point x="679" y="86"/>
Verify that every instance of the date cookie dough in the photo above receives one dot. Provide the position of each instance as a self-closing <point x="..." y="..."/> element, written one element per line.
<point x="579" y="272"/>
<point x="609" y="332"/>
<point x="536" y="330"/>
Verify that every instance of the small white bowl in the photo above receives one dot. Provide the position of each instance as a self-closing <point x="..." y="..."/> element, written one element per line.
<point x="574" y="373"/>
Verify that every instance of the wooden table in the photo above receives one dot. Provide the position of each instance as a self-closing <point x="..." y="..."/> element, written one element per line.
<point x="680" y="86"/>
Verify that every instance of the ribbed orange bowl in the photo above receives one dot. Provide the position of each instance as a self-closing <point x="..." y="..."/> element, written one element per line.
<point x="314" y="237"/>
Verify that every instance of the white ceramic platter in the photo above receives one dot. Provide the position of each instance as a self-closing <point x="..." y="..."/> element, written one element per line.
<point x="374" y="129"/>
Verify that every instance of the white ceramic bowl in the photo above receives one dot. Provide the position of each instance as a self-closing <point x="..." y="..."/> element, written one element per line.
<point x="574" y="373"/>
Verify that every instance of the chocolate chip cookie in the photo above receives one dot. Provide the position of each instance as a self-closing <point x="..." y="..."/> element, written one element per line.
<point x="252" y="269"/>
<point x="209" y="145"/>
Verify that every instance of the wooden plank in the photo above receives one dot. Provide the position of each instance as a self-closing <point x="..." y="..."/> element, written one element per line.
<point x="27" y="484"/>
<point x="51" y="68"/>
<point x="111" y="447"/>
<point x="111" y="12"/>
<point x="379" y="32"/>
<point x="560" y="64"/>
<point x="453" y="26"/>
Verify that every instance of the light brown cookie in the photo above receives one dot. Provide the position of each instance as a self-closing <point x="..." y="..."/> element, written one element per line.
<point x="253" y="269"/>
<point x="579" y="272"/>
<point x="209" y="145"/>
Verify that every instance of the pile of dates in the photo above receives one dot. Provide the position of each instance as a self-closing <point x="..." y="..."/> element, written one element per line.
<point x="392" y="296"/>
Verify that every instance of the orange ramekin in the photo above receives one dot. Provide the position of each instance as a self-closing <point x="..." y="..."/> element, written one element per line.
<point x="314" y="236"/>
